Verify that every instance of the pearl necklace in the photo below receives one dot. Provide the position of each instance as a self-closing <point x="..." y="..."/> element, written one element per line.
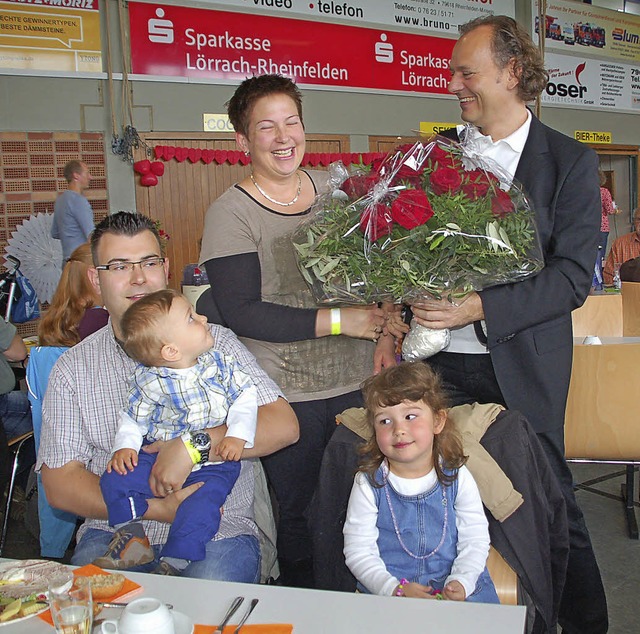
<point x="277" y="202"/>
<point x="396" y="528"/>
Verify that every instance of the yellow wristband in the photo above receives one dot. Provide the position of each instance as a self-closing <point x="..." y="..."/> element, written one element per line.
<point x="335" y="321"/>
<point x="194" y="454"/>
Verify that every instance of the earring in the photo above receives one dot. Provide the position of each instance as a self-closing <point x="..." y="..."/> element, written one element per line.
<point x="246" y="152"/>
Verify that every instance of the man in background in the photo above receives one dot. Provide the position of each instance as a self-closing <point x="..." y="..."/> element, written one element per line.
<point x="72" y="213"/>
<point x="512" y="344"/>
<point x="626" y="247"/>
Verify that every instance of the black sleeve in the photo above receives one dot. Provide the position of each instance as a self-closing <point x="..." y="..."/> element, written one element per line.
<point x="236" y="288"/>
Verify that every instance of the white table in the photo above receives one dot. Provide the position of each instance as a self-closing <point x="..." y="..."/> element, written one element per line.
<point x="315" y="611"/>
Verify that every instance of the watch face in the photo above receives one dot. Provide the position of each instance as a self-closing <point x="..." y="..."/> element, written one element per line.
<point x="201" y="440"/>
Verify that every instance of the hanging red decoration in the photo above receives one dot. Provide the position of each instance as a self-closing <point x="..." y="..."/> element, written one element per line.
<point x="142" y="167"/>
<point x="149" y="180"/>
<point x="151" y="171"/>
<point x="157" y="168"/>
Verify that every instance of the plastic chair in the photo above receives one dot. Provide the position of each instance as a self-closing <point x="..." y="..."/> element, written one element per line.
<point x="56" y="526"/>
<point x="601" y="421"/>
<point x="15" y="445"/>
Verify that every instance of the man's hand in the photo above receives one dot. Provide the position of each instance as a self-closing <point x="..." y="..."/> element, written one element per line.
<point x="454" y="591"/>
<point x="123" y="460"/>
<point x="230" y="448"/>
<point x="164" y="509"/>
<point x="439" y="314"/>
<point x="173" y="466"/>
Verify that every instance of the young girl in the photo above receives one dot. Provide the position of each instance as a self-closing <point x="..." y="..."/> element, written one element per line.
<point x="415" y="525"/>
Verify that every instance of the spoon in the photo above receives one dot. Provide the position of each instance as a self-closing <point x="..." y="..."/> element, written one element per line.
<point x="254" y="602"/>
<point x="232" y="610"/>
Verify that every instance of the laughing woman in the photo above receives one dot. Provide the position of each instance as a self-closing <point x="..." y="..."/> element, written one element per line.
<point x="318" y="356"/>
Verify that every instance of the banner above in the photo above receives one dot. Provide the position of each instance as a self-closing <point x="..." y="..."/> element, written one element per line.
<point x="435" y="16"/>
<point x="575" y="28"/>
<point x="220" y="47"/>
<point x="577" y="82"/>
<point x="51" y="35"/>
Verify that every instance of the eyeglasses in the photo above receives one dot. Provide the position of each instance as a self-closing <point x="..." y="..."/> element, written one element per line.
<point x="150" y="265"/>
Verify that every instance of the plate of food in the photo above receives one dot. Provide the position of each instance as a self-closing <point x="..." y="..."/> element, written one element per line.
<point x="23" y="587"/>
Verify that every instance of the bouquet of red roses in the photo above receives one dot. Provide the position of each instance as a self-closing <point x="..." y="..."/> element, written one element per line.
<point x="431" y="219"/>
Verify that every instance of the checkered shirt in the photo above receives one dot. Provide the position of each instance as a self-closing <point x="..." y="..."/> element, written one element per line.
<point x="86" y="391"/>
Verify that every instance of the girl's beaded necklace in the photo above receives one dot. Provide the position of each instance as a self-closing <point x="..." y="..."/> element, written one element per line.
<point x="397" y="529"/>
<point x="273" y="200"/>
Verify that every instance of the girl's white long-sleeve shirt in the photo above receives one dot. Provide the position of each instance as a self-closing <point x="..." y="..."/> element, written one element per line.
<point x="361" y="533"/>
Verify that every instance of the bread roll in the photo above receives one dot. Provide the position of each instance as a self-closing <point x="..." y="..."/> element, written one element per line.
<point x="105" y="586"/>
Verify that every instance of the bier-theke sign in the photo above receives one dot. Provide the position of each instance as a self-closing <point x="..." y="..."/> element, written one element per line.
<point x="187" y="44"/>
<point x="591" y="136"/>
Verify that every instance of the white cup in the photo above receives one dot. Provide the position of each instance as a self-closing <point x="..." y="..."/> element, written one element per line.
<point x="592" y="340"/>
<point x="142" y="616"/>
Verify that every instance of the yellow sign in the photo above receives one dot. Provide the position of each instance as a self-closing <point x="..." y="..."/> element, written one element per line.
<point x="427" y="128"/>
<point x="41" y="38"/>
<point x="217" y="123"/>
<point x="589" y="136"/>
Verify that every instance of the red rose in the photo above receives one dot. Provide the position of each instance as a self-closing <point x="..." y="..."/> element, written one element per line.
<point x="375" y="221"/>
<point x="443" y="157"/>
<point x="501" y="204"/>
<point x="411" y="208"/>
<point x="438" y="153"/>
<point x="445" y="180"/>
<point x="355" y="186"/>
<point x="477" y="186"/>
<point x="375" y="165"/>
<point x="408" y="173"/>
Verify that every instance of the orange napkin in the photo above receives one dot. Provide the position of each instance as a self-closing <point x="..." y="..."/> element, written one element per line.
<point x="268" y="628"/>
<point x="129" y="589"/>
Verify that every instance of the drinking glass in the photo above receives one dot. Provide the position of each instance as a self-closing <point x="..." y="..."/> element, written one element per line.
<point x="71" y="604"/>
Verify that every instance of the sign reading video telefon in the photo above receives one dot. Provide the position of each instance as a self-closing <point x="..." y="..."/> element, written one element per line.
<point x="436" y="17"/>
<point x="200" y="45"/>
<point x="51" y="35"/>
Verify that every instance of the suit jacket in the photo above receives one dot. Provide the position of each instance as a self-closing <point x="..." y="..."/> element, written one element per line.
<point x="529" y="333"/>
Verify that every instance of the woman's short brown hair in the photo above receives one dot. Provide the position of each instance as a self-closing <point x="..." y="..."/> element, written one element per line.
<point x="240" y="106"/>
<point x="410" y="382"/>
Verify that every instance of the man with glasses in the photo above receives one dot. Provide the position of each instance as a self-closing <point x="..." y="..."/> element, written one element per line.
<point x="87" y="388"/>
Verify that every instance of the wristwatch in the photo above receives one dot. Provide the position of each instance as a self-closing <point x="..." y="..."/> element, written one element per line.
<point x="198" y="445"/>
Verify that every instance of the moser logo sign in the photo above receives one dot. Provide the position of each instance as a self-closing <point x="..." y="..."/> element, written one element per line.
<point x="562" y="88"/>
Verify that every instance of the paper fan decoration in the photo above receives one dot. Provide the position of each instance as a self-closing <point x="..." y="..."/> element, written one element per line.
<point x="40" y="255"/>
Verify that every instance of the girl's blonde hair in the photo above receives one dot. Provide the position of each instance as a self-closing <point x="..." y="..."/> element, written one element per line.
<point x="74" y="294"/>
<point x="410" y="382"/>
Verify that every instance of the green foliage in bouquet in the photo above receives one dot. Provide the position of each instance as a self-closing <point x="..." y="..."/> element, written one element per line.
<point x="431" y="219"/>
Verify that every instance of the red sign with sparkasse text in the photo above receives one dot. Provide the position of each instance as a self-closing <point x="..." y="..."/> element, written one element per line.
<point x="220" y="46"/>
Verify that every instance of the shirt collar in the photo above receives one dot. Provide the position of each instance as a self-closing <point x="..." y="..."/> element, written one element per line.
<point x="516" y="140"/>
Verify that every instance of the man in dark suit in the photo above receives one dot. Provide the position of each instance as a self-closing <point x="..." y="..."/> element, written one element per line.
<point x="512" y="344"/>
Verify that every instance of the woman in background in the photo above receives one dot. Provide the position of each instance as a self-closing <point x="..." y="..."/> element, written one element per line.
<point x="75" y="312"/>
<point x="608" y="208"/>
<point x="318" y="356"/>
<point x="76" y="309"/>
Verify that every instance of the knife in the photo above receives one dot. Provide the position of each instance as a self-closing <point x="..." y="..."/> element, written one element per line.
<point x="237" y="602"/>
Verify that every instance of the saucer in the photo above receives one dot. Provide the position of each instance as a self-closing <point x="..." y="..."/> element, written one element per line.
<point x="182" y="623"/>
